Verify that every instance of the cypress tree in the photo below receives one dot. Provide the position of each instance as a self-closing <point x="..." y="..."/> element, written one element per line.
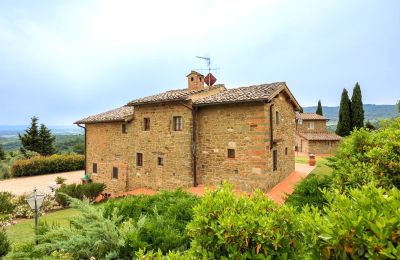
<point x="30" y="140"/>
<point x="398" y="106"/>
<point x="319" y="108"/>
<point x="2" y="153"/>
<point x="344" y="124"/>
<point x="46" y="141"/>
<point x="357" y="110"/>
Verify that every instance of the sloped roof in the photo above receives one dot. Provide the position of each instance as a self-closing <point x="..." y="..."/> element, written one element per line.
<point x="261" y="92"/>
<point x="310" y="116"/>
<point x="320" y="136"/>
<point x="120" y="114"/>
<point x="171" y="95"/>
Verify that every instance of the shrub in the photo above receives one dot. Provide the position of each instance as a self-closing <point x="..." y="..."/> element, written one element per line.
<point x="158" y="221"/>
<point x="60" y="180"/>
<point x="4" y="243"/>
<point x="6" y="204"/>
<point x="78" y="191"/>
<point x="364" y="224"/>
<point x="309" y="191"/>
<point x="227" y="226"/>
<point x="51" y="164"/>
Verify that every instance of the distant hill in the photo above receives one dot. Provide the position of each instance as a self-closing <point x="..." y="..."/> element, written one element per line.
<point x="371" y="112"/>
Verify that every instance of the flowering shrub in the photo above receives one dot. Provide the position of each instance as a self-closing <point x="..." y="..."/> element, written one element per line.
<point x="50" y="164"/>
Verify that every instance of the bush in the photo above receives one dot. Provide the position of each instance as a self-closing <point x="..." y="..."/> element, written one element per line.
<point x="6" y="204"/>
<point x="153" y="222"/>
<point x="78" y="191"/>
<point x="309" y="191"/>
<point x="4" y="243"/>
<point x="51" y="164"/>
<point x="227" y="226"/>
<point x="364" y="224"/>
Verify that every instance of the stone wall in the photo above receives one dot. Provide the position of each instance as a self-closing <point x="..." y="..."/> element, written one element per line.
<point x="108" y="147"/>
<point x="245" y="128"/>
<point x="319" y="126"/>
<point x="161" y="141"/>
<point x="323" y="147"/>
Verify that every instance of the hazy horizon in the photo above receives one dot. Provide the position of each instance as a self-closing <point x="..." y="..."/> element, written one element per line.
<point x="64" y="60"/>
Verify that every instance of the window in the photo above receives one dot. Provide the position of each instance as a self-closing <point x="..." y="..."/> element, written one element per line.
<point x="311" y="125"/>
<point x="177" y="123"/>
<point x="286" y="150"/>
<point x="231" y="153"/>
<point x="191" y="79"/>
<point x="139" y="159"/>
<point x="160" y="161"/>
<point x="277" y="117"/>
<point x="115" y="173"/>
<point x="94" y="168"/>
<point x="146" y="124"/>
<point x="124" y="128"/>
<point x="300" y="121"/>
<point x="275" y="160"/>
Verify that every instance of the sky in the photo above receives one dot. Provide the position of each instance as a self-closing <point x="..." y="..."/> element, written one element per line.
<point x="64" y="60"/>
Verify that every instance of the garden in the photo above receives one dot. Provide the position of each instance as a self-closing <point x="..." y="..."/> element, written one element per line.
<point x="314" y="223"/>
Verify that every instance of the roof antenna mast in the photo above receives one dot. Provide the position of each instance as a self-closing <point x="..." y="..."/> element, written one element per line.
<point x="209" y="79"/>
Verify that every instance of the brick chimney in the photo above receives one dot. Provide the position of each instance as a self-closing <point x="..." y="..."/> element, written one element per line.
<point x="195" y="80"/>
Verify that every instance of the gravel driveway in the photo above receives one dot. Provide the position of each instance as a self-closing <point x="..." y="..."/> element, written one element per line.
<point x="19" y="186"/>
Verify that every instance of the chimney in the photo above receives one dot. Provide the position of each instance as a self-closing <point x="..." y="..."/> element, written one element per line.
<point x="195" y="80"/>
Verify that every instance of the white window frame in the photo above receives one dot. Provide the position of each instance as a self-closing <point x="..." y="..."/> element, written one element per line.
<point x="311" y="125"/>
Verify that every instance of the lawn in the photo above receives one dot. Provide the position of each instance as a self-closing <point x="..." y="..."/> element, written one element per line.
<point x="322" y="165"/>
<point x="24" y="231"/>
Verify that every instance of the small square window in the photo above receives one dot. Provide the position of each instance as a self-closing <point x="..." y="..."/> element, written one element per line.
<point x="231" y="153"/>
<point x="94" y="168"/>
<point x="177" y="123"/>
<point x="146" y="124"/>
<point x="160" y="161"/>
<point x="139" y="159"/>
<point x="115" y="173"/>
<point x="124" y="128"/>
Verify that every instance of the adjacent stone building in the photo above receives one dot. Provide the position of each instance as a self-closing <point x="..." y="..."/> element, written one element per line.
<point x="312" y="136"/>
<point x="199" y="135"/>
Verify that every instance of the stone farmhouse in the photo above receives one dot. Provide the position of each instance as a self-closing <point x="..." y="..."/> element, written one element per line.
<point x="198" y="135"/>
<point x="312" y="137"/>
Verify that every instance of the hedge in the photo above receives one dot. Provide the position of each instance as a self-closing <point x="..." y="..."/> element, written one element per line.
<point x="47" y="164"/>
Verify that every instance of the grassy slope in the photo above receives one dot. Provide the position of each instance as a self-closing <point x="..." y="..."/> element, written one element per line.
<point x="322" y="165"/>
<point x="24" y="231"/>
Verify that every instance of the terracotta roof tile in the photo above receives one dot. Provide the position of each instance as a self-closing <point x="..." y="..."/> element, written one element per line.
<point x="116" y="115"/>
<point x="244" y="94"/>
<point x="320" y="136"/>
<point x="310" y="116"/>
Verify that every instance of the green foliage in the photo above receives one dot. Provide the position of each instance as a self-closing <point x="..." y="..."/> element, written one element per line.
<point x="228" y="226"/>
<point x="344" y="123"/>
<point x="310" y="192"/>
<point x="363" y="224"/>
<point x="319" y="108"/>
<point x="70" y="144"/>
<point x="154" y="222"/>
<point x="5" y="246"/>
<point x="2" y="153"/>
<point x="30" y="140"/>
<point x="369" y="125"/>
<point x="398" y="106"/>
<point x="51" y="164"/>
<point x="6" y="204"/>
<point x="60" y="180"/>
<point x="89" y="191"/>
<point x="46" y="141"/>
<point x="357" y="110"/>
<point x="79" y="148"/>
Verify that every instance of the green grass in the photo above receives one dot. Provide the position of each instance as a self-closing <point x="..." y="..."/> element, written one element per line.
<point x="24" y="230"/>
<point x="322" y="165"/>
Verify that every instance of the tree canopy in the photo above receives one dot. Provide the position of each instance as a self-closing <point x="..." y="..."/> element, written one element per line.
<point x="357" y="110"/>
<point x="319" y="108"/>
<point x="37" y="140"/>
<point x="344" y="124"/>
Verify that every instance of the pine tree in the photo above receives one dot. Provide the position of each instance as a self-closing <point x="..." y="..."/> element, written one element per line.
<point x="46" y="141"/>
<point x="319" y="108"/>
<point x="357" y="110"/>
<point x="30" y="140"/>
<point x="344" y="124"/>
<point x="2" y="153"/>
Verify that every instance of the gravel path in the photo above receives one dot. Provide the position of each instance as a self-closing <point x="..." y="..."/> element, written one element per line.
<point x="19" y="186"/>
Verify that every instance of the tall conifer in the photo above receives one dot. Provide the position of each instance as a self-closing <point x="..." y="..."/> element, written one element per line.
<point x="357" y="110"/>
<point x="46" y="141"/>
<point x="30" y="140"/>
<point x="319" y="108"/>
<point x="344" y="124"/>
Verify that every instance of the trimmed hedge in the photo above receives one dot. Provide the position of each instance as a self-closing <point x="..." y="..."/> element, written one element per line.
<point x="47" y="164"/>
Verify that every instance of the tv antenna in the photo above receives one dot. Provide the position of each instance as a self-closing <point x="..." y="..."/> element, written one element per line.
<point x="208" y="61"/>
